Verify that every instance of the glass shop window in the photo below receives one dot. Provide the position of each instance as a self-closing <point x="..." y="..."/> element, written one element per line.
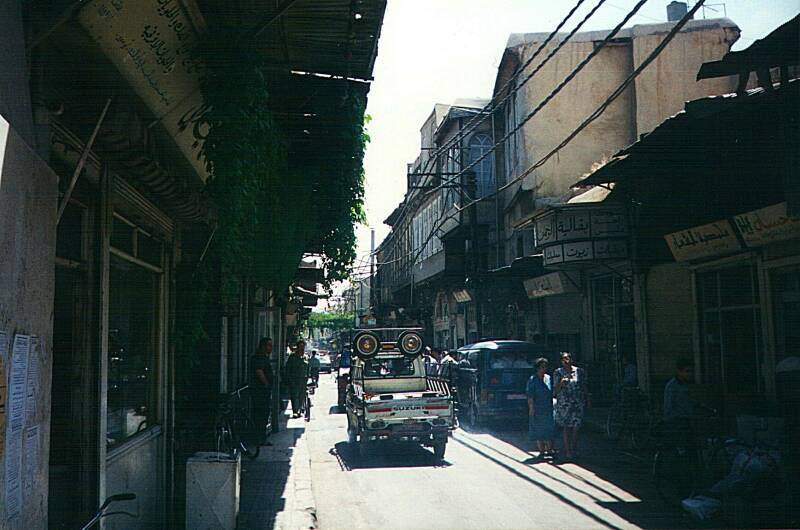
<point x="133" y="338"/>
<point x="730" y="325"/>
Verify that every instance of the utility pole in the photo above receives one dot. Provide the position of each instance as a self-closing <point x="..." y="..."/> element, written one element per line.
<point x="371" y="270"/>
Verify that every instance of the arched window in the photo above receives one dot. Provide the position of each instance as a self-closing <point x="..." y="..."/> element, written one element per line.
<point x="479" y="145"/>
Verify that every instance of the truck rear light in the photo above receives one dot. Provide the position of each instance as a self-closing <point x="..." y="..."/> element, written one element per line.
<point x="378" y="424"/>
<point x="439" y="421"/>
<point x="494" y="381"/>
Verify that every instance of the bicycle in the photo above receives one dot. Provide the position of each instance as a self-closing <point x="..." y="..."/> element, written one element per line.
<point x="682" y="462"/>
<point x="630" y="416"/>
<point x="235" y="432"/>
<point x="311" y="386"/>
<point x="119" y="497"/>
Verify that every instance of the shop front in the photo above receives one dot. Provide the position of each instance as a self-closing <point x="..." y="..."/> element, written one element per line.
<point x="746" y="274"/>
<point x="586" y="243"/>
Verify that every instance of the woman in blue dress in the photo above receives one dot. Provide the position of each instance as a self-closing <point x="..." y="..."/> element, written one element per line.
<point x="541" y="427"/>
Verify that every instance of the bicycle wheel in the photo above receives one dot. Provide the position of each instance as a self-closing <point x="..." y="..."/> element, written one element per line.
<point x="247" y="437"/>
<point x="223" y="441"/>
<point x="672" y="476"/>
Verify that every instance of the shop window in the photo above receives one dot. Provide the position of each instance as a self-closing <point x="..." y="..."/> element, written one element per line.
<point x="614" y="332"/>
<point x="122" y="236"/>
<point x="786" y="298"/>
<point x="149" y="249"/>
<point x="730" y="325"/>
<point x="132" y="350"/>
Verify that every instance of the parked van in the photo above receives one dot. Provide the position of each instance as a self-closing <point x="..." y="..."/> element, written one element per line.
<point x="493" y="385"/>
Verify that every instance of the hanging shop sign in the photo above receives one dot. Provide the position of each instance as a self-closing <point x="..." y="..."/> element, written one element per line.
<point x="549" y="284"/>
<point x="579" y="222"/>
<point x="767" y="225"/>
<point x="154" y="45"/>
<point x="580" y="233"/>
<point x="703" y="241"/>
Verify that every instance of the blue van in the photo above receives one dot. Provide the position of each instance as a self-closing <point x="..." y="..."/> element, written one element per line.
<point x="492" y="385"/>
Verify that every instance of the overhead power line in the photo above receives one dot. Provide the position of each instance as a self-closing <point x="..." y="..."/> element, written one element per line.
<point x="486" y="111"/>
<point x="589" y="119"/>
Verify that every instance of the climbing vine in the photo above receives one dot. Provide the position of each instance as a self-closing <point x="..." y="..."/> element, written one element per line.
<point x="272" y="208"/>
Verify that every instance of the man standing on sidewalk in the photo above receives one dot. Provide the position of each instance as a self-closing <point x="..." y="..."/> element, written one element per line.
<point x="261" y="380"/>
<point x="296" y="371"/>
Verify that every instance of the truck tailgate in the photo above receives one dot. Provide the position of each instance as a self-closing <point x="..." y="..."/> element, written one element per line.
<point x="408" y="406"/>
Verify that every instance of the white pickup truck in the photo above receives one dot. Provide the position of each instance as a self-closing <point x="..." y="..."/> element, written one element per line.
<point x="389" y="399"/>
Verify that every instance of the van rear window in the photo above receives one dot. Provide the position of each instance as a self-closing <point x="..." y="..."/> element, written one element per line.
<point x="391" y="367"/>
<point x="504" y="359"/>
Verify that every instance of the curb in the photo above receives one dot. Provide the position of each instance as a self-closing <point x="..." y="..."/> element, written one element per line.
<point x="304" y="514"/>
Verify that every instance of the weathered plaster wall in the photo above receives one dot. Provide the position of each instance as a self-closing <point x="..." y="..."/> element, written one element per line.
<point x="568" y="109"/>
<point x="670" y="81"/>
<point x="28" y="190"/>
<point x="27" y="251"/>
<point x="659" y="92"/>
<point x="670" y="321"/>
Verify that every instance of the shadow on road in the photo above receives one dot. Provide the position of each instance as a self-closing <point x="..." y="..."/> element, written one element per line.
<point x="385" y="456"/>
<point x="605" y="466"/>
<point x="336" y="409"/>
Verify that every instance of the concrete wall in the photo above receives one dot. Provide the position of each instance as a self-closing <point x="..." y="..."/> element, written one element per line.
<point x="659" y="92"/>
<point x="28" y="195"/>
<point x="665" y="85"/>
<point x="28" y="191"/>
<point x="569" y="108"/>
<point x="670" y="321"/>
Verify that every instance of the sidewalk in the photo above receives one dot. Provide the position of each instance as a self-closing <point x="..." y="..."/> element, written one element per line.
<point x="276" y="487"/>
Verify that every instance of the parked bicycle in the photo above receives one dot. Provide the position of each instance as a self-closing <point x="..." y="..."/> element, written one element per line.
<point x="311" y="387"/>
<point x="119" y="497"/>
<point x="235" y="432"/>
<point x="682" y="462"/>
<point x="629" y="418"/>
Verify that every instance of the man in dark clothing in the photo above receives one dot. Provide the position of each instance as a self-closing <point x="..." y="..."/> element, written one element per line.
<point x="261" y="379"/>
<point x="296" y="371"/>
<point x="679" y="408"/>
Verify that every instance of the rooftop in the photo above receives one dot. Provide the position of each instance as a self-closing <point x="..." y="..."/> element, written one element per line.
<point x="638" y="30"/>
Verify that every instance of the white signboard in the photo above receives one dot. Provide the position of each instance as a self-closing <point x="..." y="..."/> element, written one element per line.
<point x="703" y="241"/>
<point x="548" y="284"/>
<point x="767" y="225"/>
<point x="153" y="43"/>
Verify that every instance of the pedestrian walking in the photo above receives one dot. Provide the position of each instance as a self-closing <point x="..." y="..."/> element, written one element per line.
<point x="296" y="377"/>
<point x="541" y="426"/>
<point x="313" y="366"/>
<point x="572" y="397"/>
<point x="261" y="381"/>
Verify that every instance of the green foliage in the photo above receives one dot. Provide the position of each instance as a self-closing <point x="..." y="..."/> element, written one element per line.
<point x="271" y="209"/>
<point x="330" y="320"/>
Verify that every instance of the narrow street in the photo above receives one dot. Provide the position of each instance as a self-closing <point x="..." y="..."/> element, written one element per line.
<point x="487" y="481"/>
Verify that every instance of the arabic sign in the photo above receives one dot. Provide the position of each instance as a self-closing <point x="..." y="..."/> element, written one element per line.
<point x="579" y="222"/>
<point x="767" y="225"/>
<point x="154" y="45"/>
<point x="703" y="241"/>
<point x="549" y="284"/>
<point x="579" y="251"/>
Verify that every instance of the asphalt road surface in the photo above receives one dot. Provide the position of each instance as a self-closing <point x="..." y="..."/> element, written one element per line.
<point x="487" y="481"/>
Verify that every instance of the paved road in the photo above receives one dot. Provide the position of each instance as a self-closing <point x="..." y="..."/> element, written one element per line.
<point x="486" y="481"/>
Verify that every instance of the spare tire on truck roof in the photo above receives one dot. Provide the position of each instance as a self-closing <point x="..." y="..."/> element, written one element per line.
<point x="366" y="344"/>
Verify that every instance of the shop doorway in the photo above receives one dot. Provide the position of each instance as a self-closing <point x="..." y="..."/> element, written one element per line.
<point x="73" y="476"/>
